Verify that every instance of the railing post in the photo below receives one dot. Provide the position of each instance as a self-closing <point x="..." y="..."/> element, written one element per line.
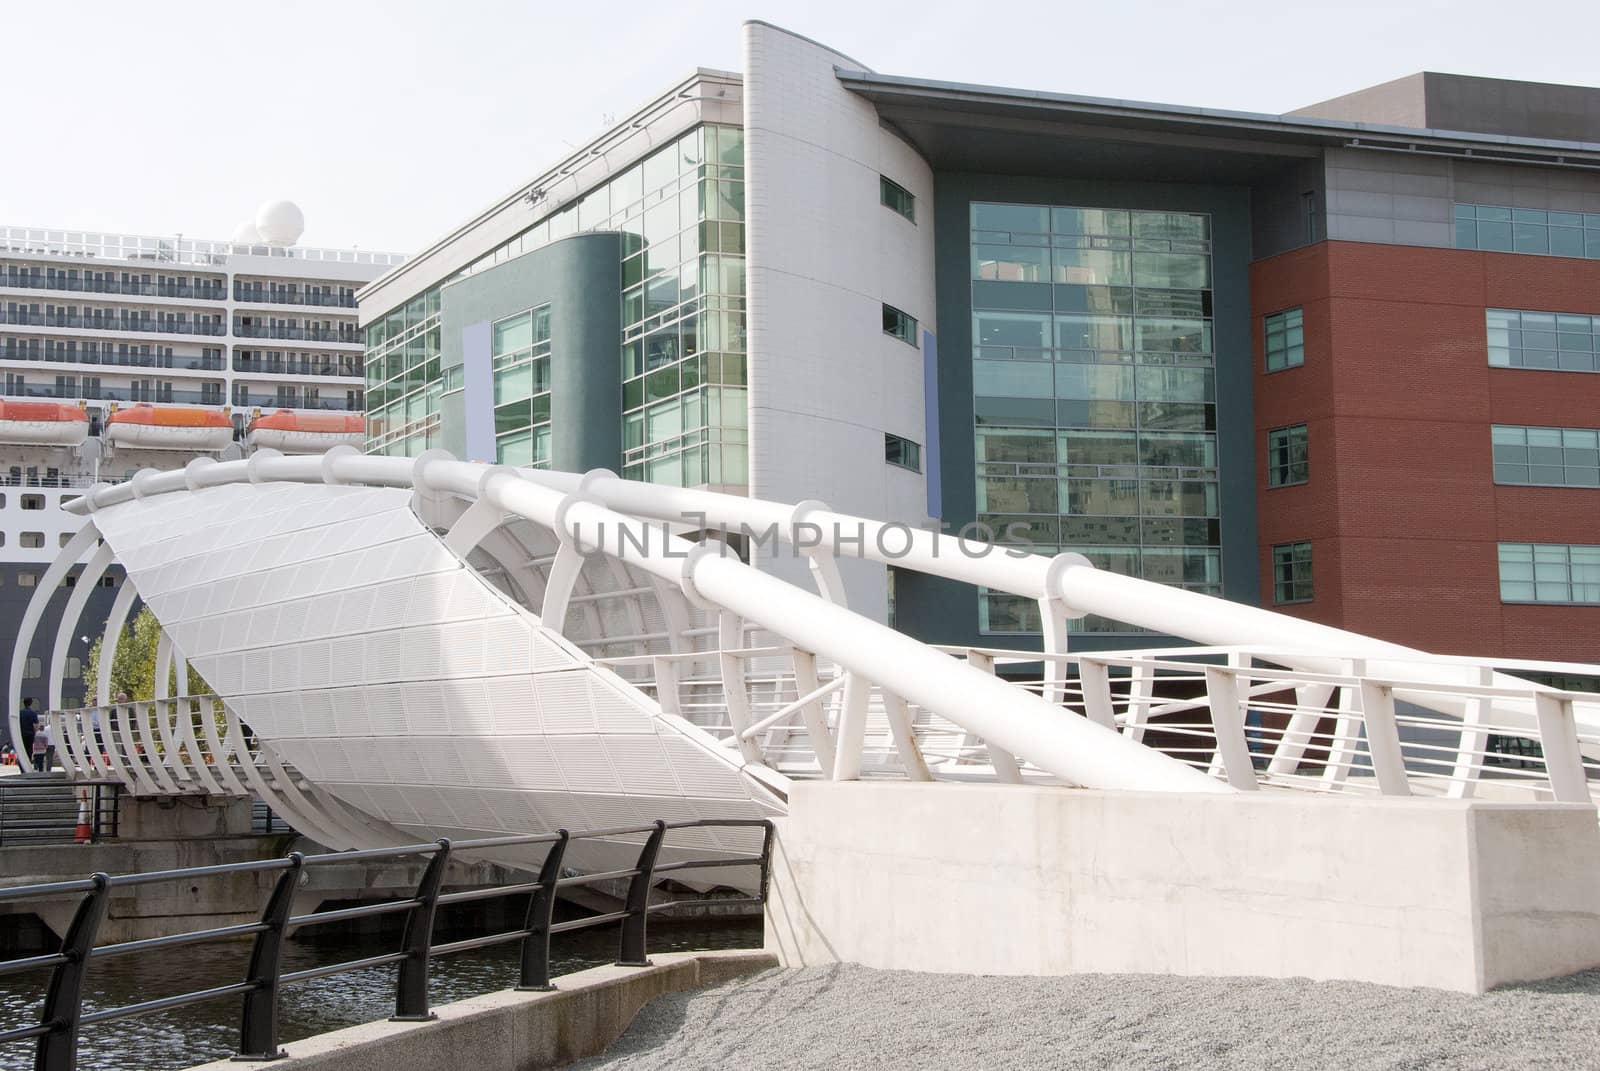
<point x="541" y="908"/>
<point x="632" y="952"/>
<point x="1232" y="753"/>
<point x="1558" y="740"/>
<point x="258" y="1026"/>
<point x="63" y="1002"/>
<point x="411" y="988"/>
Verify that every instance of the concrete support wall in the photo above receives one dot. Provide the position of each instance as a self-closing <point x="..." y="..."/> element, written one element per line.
<point x="1041" y="881"/>
<point x="512" y="1031"/>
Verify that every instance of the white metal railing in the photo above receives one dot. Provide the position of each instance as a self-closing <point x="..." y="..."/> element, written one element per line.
<point x="1243" y="716"/>
<point x="196" y="745"/>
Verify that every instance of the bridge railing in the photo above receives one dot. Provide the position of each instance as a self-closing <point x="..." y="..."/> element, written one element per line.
<point x="63" y="1015"/>
<point x="1239" y="714"/>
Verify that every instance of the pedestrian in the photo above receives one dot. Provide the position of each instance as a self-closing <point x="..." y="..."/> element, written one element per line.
<point x="41" y="748"/>
<point x="28" y="719"/>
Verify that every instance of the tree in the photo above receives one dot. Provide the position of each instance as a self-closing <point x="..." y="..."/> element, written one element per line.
<point x="133" y="666"/>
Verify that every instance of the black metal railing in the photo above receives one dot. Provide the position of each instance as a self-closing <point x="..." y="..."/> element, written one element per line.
<point x="63" y="1017"/>
<point x="48" y="810"/>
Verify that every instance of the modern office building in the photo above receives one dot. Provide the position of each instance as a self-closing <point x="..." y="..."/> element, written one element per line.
<point x="1321" y="362"/>
<point x="124" y="352"/>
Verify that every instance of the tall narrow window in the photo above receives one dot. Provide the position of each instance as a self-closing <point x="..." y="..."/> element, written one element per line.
<point x="1288" y="459"/>
<point x="893" y="195"/>
<point x="902" y="452"/>
<point x="1291" y="572"/>
<point x="899" y="324"/>
<point x="1286" y="340"/>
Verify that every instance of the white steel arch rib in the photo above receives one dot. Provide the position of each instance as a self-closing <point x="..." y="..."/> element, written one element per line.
<point x="334" y="604"/>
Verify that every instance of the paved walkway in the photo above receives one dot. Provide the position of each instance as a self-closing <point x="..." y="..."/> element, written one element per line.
<point x="839" y="1018"/>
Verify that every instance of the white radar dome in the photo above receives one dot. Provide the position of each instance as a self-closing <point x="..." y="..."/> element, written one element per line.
<point x="280" y="222"/>
<point x="246" y="234"/>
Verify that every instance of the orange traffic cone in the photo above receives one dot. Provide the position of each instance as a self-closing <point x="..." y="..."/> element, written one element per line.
<point x="83" y="834"/>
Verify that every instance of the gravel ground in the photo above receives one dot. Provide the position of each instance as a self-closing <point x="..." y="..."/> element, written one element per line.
<point x="850" y="1017"/>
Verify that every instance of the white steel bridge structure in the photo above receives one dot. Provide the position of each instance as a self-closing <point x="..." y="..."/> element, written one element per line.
<point x="408" y="649"/>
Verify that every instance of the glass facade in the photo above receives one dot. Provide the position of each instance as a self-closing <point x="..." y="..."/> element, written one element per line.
<point x="1094" y="393"/>
<point x="520" y="349"/>
<point x="403" y="379"/>
<point x="1558" y="457"/>
<point x="1549" y="572"/>
<point x="681" y="213"/>
<point x="1528" y="230"/>
<point x="1558" y="341"/>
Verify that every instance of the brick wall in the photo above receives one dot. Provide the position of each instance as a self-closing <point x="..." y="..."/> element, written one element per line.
<point x="1398" y="398"/>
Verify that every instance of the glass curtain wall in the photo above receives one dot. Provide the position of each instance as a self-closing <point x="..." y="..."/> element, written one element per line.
<point x="681" y="213"/>
<point x="1094" y="384"/>
<point x="403" y="381"/>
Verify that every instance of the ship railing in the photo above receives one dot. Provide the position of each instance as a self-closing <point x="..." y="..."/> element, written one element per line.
<point x="63" y="1014"/>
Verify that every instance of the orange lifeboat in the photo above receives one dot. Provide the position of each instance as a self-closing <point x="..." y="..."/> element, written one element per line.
<point x="305" y="433"/>
<point x="173" y="427"/>
<point x="42" y="423"/>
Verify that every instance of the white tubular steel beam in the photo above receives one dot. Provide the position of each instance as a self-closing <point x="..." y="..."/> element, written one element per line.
<point x="42" y="592"/>
<point x="1074" y="749"/>
<point x="70" y="617"/>
<point x="1087" y="590"/>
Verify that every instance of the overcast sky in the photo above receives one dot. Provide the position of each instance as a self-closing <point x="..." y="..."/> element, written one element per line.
<point x="392" y="121"/>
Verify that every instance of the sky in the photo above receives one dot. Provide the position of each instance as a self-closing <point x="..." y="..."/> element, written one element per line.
<point x="391" y="122"/>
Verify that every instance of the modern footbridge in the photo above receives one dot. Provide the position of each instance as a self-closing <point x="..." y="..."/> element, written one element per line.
<point x="406" y="649"/>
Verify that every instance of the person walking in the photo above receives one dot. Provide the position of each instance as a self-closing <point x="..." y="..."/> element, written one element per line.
<point x="28" y="721"/>
<point x="41" y="748"/>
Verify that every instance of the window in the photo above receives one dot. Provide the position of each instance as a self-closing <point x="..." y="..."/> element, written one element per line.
<point x="1291" y="572"/>
<point x="902" y="452"/>
<point x="1094" y="391"/>
<point x="33" y="502"/>
<point x="1286" y="340"/>
<point x="74" y="667"/>
<point x="66" y="537"/>
<point x="27" y="580"/>
<point x="900" y="325"/>
<point x="32" y="669"/>
<point x="1528" y="230"/>
<point x="1288" y="459"/>
<point x="1558" y="341"/>
<point x="893" y="195"/>
<point x="1558" y="457"/>
<point x="1549" y="572"/>
<point x="32" y="540"/>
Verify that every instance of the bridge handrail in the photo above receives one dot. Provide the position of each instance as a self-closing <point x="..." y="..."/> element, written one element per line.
<point x="62" y="1015"/>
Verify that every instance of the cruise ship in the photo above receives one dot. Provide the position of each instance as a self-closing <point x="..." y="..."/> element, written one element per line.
<point x="123" y="352"/>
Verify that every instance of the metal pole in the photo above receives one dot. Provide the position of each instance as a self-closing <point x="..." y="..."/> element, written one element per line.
<point x="411" y="988"/>
<point x="63" y="1002"/>
<point x="632" y="952"/>
<point x="541" y="907"/>
<point x="258" y="1025"/>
